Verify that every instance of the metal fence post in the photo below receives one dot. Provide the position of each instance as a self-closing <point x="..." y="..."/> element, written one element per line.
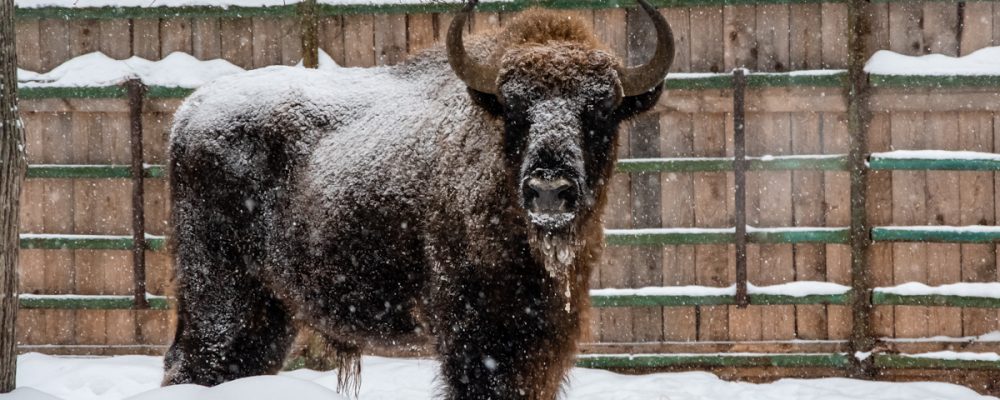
<point x="858" y="114"/>
<point x="136" y="92"/>
<point x="740" y="178"/>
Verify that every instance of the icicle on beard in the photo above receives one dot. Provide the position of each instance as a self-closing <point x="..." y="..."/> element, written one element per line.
<point x="558" y="252"/>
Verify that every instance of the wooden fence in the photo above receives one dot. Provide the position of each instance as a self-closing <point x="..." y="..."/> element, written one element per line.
<point x="786" y="114"/>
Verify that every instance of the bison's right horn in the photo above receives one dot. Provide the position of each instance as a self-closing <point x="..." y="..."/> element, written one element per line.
<point x="477" y="76"/>
<point x="640" y="79"/>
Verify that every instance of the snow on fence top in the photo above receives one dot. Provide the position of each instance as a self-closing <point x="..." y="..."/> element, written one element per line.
<point x="966" y="289"/>
<point x="793" y="289"/>
<point x="985" y="61"/>
<point x="175" y="70"/>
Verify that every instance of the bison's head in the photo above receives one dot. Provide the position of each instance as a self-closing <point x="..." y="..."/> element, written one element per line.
<point x="562" y="97"/>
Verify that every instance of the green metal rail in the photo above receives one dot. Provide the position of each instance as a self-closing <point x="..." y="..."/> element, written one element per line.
<point x="53" y="171"/>
<point x="672" y="236"/>
<point x="837" y="162"/>
<point x="603" y="301"/>
<point x="930" y="233"/>
<point x="88" y="302"/>
<point x="87" y="242"/>
<point x="635" y="300"/>
<point x="786" y="360"/>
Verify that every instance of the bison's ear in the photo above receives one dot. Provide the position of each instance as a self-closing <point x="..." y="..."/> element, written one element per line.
<point x="632" y="105"/>
<point x="488" y="102"/>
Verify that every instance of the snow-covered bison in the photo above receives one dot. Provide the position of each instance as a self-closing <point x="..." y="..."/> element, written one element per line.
<point x="381" y="206"/>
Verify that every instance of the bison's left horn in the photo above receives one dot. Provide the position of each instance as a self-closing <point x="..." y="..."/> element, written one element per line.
<point x="477" y="76"/>
<point x="640" y="79"/>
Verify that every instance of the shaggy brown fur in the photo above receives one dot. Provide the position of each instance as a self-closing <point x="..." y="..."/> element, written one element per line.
<point x="382" y="207"/>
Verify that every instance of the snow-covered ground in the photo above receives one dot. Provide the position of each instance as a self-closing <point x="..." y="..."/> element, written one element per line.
<point x="43" y="377"/>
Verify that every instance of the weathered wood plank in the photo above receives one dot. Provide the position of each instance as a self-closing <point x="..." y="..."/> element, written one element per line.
<point x="236" y="41"/>
<point x="909" y="207"/>
<point x="977" y="27"/>
<point x="940" y="27"/>
<point x="331" y="38"/>
<point x="266" y="41"/>
<point x="677" y="205"/>
<point x="741" y="47"/>
<point x="808" y="198"/>
<point x="146" y="38"/>
<point x="390" y="38"/>
<point x="175" y="36"/>
<point x="977" y="207"/>
<point x="834" y="28"/>
<point x="419" y="32"/>
<point x="707" y="40"/>
<point x="773" y="38"/>
<point x="206" y="38"/>
<point x="805" y="36"/>
<point x="905" y="34"/>
<point x="943" y="201"/>
<point x="115" y="40"/>
<point x="359" y="41"/>
<point x="837" y="212"/>
<point x="711" y="194"/>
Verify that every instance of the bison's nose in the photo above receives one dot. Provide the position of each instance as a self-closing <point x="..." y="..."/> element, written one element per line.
<point x="549" y="195"/>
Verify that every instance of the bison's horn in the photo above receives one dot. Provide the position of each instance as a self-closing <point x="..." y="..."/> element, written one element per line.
<point x="477" y="76"/>
<point x="642" y="78"/>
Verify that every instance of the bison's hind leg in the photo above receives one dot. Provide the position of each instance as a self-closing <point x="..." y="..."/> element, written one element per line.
<point x="252" y="338"/>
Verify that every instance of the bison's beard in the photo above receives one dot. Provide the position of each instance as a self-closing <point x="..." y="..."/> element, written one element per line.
<point x="558" y="252"/>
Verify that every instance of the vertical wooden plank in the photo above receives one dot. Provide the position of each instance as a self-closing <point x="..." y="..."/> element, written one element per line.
<point x="146" y="38"/>
<point x="644" y="141"/>
<point x="707" y="43"/>
<point x="266" y="42"/>
<point x="390" y="38"/>
<point x="483" y="22"/>
<point x="834" y="31"/>
<point x="711" y="195"/>
<point x="806" y="37"/>
<point x="977" y="199"/>
<point x="56" y="49"/>
<point x="28" y="45"/>
<point x="679" y="19"/>
<point x="909" y="207"/>
<point x="879" y="20"/>
<point x="880" y="204"/>
<point x="837" y="212"/>
<point x="175" y="36"/>
<point x="677" y="205"/>
<point x="940" y="25"/>
<point x="359" y="41"/>
<point x="944" y="260"/>
<point x="977" y="27"/>
<point x="905" y="32"/>
<point x="236" y="41"/>
<point x="206" y="40"/>
<point x="741" y="39"/>
<point x="419" y="32"/>
<point x="84" y="35"/>
<point x="772" y="37"/>
<point x="290" y="31"/>
<point x="609" y="28"/>
<point x="616" y="323"/>
<point x="776" y="210"/>
<point x="115" y="40"/>
<point x="808" y="199"/>
<point x="331" y="37"/>
<point x="58" y="218"/>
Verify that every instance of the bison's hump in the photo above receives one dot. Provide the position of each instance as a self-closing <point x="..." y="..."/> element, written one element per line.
<point x="275" y="100"/>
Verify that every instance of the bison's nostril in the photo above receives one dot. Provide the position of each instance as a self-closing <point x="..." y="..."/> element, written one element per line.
<point x="549" y="195"/>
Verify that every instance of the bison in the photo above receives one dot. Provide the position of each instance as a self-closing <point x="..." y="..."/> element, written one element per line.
<point x="459" y="206"/>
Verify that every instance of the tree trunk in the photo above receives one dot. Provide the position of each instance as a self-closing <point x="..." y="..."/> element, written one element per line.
<point x="12" y="164"/>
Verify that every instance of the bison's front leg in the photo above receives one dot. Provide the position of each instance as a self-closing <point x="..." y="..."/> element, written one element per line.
<point x="505" y="341"/>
